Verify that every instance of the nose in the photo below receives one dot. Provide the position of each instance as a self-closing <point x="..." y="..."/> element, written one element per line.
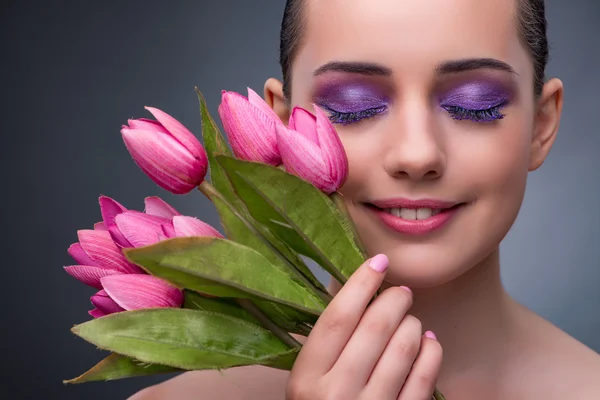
<point x="414" y="149"/>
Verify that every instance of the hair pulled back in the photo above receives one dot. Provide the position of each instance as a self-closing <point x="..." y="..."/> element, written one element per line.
<point x="531" y="16"/>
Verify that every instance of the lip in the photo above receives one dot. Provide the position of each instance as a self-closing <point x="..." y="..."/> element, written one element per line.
<point x="415" y="227"/>
<point x="407" y="203"/>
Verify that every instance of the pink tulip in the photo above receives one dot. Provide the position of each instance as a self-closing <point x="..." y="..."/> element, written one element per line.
<point x="190" y="226"/>
<point x="166" y="151"/>
<point x="311" y="149"/>
<point x="250" y="125"/>
<point x="102" y="265"/>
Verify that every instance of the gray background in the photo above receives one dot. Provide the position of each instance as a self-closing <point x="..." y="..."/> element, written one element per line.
<point x="73" y="72"/>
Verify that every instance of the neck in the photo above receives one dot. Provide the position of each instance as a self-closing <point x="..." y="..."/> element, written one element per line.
<point x="470" y="316"/>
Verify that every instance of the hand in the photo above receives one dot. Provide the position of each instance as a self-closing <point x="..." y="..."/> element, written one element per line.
<point x="368" y="352"/>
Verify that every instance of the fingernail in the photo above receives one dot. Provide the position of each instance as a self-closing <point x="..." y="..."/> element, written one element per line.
<point x="430" y="335"/>
<point x="407" y="289"/>
<point x="379" y="263"/>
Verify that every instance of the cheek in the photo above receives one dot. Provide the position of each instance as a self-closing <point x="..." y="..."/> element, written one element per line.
<point x="494" y="163"/>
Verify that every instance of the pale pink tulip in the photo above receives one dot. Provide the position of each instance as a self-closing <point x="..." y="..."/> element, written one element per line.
<point x="311" y="149"/>
<point x="166" y="151"/>
<point x="250" y="125"/>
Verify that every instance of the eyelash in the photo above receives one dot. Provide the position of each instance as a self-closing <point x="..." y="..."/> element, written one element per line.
<point x="487" y="115"/>
<point x="342" y="118"/>
<point x="457" y="113"/>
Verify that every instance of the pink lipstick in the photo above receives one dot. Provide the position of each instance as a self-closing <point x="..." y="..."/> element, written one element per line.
<point x="415" y="217"/>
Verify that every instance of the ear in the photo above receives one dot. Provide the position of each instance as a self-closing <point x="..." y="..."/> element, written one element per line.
<point x="547" y="121"/>
<point x="275" y="99"/>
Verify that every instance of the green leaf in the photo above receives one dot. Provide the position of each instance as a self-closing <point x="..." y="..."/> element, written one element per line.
<point x="223" y="268"/>
<point x="286" y="317"/>
<point x="196" y="301"/>
<point x="244" y="230"/>
<point x="298" y="213"/>
<point x="187" y="339"/>
<point x="117" y="366"/>
<point x="214" y="143"/>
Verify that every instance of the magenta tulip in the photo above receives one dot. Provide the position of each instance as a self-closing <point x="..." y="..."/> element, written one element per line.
<point x="311" y="149"/>
<point x="166" y="151"/>
<point x="102" y="265"/>
<point x="250" y="125"/>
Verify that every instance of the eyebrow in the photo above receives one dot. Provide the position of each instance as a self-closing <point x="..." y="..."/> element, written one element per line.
<point x="354" y="67"/>
<point x="470" y="64"/>
<point x="446" y="67"/>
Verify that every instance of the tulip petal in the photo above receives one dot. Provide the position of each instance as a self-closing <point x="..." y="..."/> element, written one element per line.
<point x="304" y="123"/>
<point x="251" y="131"/>
<point x="133" y="292"/>
<point x="302" y="157"/>
<point x="168" y="230"/>
<point x="104" y="303"/>
<point x="79" y="255"/>
<point x="156" y="206"/>
<point x="100" y="248"/>
<point x="140" y="229"/>
<point x="165" y="160"/>
<point x="332" y="150"/>
<point x="179" y="132"/>
<point x="190" y="226"/>
<point x="90" y="275"/>
<point x="96" y="313"/>
<point x="145" y="124"/>
<point x="258" y="101"/>
<point x="110" y="208"/>
<point x="100" y="226"/>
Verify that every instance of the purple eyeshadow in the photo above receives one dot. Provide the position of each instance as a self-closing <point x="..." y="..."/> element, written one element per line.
<point x="477" y="95"/>
<point x="350" y="97"/>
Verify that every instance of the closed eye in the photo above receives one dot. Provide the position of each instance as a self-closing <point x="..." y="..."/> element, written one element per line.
<point x="346" y="118"/>
<point x="485" y="115"/>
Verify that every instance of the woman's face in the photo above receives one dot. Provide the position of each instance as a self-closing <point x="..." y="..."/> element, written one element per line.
<point x="433" y="101"/>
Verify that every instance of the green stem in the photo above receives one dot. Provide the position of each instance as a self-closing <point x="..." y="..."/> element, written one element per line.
<point x="284" y="336"/>
<point x="209" y="191"/>
<point x="437" y="395"/>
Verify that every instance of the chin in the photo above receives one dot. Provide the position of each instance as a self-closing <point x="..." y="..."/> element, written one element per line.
<point x="424" y="269"/>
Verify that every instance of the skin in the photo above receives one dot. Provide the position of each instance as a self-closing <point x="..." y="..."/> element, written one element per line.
<point x="488" y="345"/>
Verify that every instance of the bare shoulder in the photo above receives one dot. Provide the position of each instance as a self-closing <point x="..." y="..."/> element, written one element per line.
<point x="558" y="365"/>
<point x="241" y="383"/>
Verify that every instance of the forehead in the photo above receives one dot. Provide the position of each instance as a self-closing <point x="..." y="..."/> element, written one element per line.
<point x="410" y="34"/>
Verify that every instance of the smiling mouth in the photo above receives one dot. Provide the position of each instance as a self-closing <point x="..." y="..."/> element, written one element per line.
<point x="413" y="213"/>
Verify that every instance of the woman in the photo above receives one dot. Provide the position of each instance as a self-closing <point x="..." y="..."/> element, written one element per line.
<point x="443" y="109"/>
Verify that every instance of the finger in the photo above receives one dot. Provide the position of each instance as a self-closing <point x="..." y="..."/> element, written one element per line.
<point x="421" y="381"/>
<point x="335" y="326"/>
<point x="393" y="367"/>
<point x="370" y="338"/>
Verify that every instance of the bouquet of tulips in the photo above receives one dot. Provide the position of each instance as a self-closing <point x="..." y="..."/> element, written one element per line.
<point x="173" y="293"/>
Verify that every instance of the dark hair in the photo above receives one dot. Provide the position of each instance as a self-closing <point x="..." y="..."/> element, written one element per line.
<point x="531" y="26"/>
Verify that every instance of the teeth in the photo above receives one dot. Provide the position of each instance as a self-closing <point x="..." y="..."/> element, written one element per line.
<point x="424" y="213"/>
<point x="408" y="213"/>
<point x="412" y="214"/>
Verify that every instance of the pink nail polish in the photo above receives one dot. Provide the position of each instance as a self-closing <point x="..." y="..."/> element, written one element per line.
<point x="407" y="289"/>
<point x="379" y="263"/>
<point x="430" y="335"/>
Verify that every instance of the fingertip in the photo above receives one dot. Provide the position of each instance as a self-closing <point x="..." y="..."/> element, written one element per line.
<point x="379" y="263"/>
<point x="430" y="335"/>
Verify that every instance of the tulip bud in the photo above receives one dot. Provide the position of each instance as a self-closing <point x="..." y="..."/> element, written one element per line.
<point x="250" y="126"/>
<point x="166" y="151"/>
<point x="311" y="149"/>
